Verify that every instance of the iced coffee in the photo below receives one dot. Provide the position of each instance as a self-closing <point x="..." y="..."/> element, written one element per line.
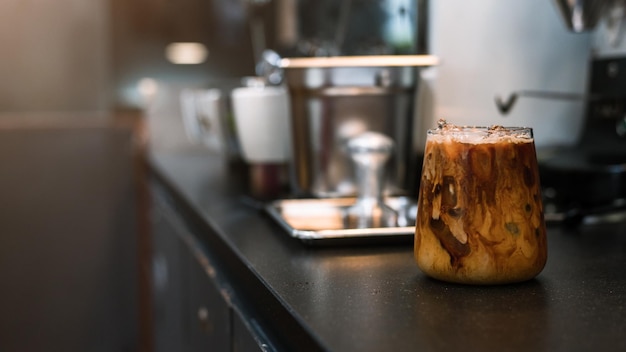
<point x="480" y="215"/>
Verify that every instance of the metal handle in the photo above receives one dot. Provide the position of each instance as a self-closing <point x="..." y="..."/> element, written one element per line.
<point x="506" y="105"/>
<point x="203" y="320"/>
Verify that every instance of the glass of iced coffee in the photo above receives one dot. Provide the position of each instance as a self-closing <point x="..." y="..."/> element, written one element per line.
<point x="480" y="215"/>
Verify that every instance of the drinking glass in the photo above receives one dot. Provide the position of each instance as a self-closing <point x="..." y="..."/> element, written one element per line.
<point x="480" y="214"/>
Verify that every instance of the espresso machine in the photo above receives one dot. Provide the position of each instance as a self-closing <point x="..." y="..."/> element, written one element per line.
<point x="586" y="182"/>
<point x="351" y="69"/>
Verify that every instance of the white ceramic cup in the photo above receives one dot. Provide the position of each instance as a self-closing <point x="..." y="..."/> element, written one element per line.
<point x="203" y="112"/>
<point x="262" y="123"/>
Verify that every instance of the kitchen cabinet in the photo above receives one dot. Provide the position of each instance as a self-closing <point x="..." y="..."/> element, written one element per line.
<point x="208" y="314"/>
<point x="170" y="279"/>
<point x="192" y="311"/>
<point x="189" y="311"/>
<point x="243" y="338"/>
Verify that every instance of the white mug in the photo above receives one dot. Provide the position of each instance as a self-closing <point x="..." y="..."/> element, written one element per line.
<point x="262" y="123"/>
<point x="204" y="116"/>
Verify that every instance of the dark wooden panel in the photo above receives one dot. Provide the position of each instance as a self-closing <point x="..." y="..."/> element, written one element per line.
<point x="171" y="285"/>
<point x="68" y="244"/>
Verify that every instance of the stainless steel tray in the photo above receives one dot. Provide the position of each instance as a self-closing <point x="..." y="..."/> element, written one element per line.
<point x="321" y="221"/>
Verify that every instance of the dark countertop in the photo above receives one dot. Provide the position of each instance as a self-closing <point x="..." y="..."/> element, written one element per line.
<point x="374" y="298"/>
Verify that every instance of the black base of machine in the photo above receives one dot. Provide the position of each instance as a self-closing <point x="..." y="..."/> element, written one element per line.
<point x="590" y="178"/>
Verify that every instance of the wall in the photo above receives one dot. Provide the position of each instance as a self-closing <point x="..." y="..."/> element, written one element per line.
<point x="54" y="55"/>
<point x="77" y="55"/>
<point x="141" y="30"/>
<point x="491" y="47"/>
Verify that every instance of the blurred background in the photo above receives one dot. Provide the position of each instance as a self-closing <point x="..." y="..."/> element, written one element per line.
<point x="72" y="55"/>
<point x="84" y="85"/>
<point x="90" y="56"/>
